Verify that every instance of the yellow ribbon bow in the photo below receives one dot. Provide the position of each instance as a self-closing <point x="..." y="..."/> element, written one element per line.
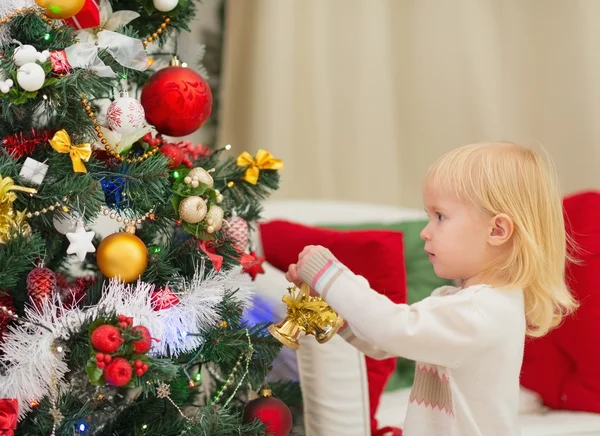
<point x="80" y="153"/>
<point x="306" y="310"/>
<point x="263" y="161"/>
<point x="7" y="195"/>
<point x="11" y="221"/>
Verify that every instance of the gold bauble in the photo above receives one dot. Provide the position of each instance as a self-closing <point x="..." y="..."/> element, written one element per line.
<point x="122" y="255"/>
<point x="192" y="209"/>
<point x="61" y="9"/>
<point x="202" y="176"/>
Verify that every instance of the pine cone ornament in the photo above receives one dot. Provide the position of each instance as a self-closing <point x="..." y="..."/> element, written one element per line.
<point x="41" y="283"/>
<point x="238" y="232"/>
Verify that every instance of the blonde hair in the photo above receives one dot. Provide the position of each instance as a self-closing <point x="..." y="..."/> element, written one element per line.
<point x="508" y="178"/>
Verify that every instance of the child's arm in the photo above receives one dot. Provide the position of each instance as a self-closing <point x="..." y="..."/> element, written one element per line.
<point x="439" y="331"/>
<point x="363" y="346"/>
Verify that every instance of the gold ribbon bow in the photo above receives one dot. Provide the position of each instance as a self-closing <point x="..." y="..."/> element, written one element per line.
<point x="263" y="161"/>
<point x="307" y="310"/>
<point x="80" y="153"/>
<point x="11" y="221"/>
<point x="7" y="195"/>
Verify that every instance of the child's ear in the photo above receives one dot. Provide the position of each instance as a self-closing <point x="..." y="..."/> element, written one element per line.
<point x="502" y="228"/>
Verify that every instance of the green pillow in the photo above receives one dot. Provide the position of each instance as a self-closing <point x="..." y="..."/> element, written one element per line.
<point x="420" y="277"/>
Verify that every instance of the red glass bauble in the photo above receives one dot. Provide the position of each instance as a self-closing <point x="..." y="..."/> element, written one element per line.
<point x="177" y="101"/>
<point x="273" y="413"/>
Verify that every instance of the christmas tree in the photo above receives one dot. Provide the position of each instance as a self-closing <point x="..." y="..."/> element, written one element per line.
<point x="141" y="331"/>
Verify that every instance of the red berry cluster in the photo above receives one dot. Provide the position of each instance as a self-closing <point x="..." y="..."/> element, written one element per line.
<point x="184" y="152"/>
<point x="102" y="360"/>
<point x="116" y="362"/>
<point x="124" y="321"/>
<point x="140" y="367"/>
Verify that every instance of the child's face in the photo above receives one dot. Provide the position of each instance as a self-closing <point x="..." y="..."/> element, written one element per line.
<point x="456" y="238"/>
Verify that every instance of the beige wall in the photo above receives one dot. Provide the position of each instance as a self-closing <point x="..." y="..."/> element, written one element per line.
<point x="360" y="96"/>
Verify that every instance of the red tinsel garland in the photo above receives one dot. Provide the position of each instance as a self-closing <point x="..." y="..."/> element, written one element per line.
<point x="20" y="144"/>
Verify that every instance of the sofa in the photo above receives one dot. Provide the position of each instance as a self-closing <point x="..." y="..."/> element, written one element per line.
<point x="333" y="376"/>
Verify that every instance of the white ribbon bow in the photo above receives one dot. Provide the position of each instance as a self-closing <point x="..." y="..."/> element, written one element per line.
<point x="126" y="50"/>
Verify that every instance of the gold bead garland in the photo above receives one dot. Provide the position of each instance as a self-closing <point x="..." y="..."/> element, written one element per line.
<point x="247" y="356"/>
<point x="62" y="205"/>
<point x="104" y="141"/>
<point x="158" y="31"/>
<point x="128" y="222"/>
<point x="19" y="12"/>
<point x="32" y="10"/>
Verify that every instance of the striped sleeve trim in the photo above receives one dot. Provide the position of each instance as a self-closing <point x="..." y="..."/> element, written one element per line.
<point x="326" y="277"/>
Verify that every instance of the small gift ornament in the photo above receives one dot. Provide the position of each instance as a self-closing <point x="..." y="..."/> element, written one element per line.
<point x="87" y="18"/>
<point x="163" y="298"/>
<point x="33" y="171"/>
<point x="59" y="61"/>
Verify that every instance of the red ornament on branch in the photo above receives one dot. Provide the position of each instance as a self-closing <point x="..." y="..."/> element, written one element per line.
<point x="208" y="249"/>
<point x="41" y="284"/>
<point x="7" y="301"/>
<point x="163" y="298"/>
<point x="192" y="152"/>
<point x="252" y="264"/>
<point x="118" y="351"/>
<point x="272" y="412"/>
<point x="9" y="413"/>
<point x="109" y="160"/>
<point x="184" y="152"/>
<point x="59" y="61"/>
<point x="72" y="291"/>
<point x="238" y="232"/>
<point x="177" y="100"/>
<point x="174" y="153"/>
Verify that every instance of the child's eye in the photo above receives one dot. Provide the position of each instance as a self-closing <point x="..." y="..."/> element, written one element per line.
<point x="441" y="217"/>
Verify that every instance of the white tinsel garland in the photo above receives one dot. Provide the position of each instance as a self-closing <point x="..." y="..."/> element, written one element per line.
<point x="8" y="7"/>
<point x="29" y="360"/>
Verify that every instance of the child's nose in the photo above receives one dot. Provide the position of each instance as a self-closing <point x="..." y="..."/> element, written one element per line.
<point x="425" y="234"/>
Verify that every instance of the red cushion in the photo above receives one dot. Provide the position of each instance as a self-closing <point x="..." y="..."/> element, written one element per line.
<point x="563" y="365"/>
<point x="377" y="255"/>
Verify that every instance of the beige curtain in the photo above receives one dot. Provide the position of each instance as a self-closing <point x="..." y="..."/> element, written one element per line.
<point x="358" y="97"/>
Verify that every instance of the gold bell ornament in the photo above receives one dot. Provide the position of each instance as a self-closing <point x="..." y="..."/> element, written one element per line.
<point x="308" y="314"/>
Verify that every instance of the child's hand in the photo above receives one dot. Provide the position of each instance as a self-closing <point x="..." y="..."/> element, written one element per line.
<point x="292" y="276"/>
<point x="293" y="273"/>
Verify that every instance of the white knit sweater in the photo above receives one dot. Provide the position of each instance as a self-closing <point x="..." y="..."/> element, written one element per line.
<point x="468" y="344"/>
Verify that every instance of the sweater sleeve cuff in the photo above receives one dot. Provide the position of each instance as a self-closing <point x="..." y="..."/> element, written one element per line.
<point x="315" y="265"/>
<point x="346" y="332"/>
